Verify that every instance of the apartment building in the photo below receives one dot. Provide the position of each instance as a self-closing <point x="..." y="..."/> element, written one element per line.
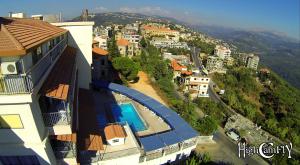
<point x="102" y="41"/>
<point x="197" y="86"/>
<point x="252" y="61"/>
<point x="222" y="52"/>
<point x="100" y="64"/>
<point x="123" y="46"/>
<point x="161" y="42"/>
<point x="38" y="90"/>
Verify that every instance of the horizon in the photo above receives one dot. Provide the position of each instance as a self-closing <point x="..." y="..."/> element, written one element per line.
<point x="279" y="16"/>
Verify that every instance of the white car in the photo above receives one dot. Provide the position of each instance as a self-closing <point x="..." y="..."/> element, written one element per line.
<point x="234" y="136"/>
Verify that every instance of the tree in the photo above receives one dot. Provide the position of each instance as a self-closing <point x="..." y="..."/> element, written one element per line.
<point x="207" y="125"/>
<point x="113" y="48"/>
<point x="143" y="42"/>
<point x="128" y="68"/>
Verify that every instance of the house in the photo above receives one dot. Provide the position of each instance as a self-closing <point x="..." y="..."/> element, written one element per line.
<point x="197" y="86"/>
<point x="222" y="52"/>
<point x="115" y="134"/>
<point x="100" y="66"/>
<point x="179" y="69"/>
<point x="123" y="46"/>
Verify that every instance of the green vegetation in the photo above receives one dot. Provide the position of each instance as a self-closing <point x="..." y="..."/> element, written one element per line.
<point x="276" y="106"/>
<point x="207" y="125"/>
<point x="197" y="159"/>
<point x="178" y="51"/>
<point x="205" y="47"/>
<point x="113" y="48"/>
<point x="127" y="67"/>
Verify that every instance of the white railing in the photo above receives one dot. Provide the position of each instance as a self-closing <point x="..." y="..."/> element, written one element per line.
<point x="15" y="84"/>
<point x="57" y="118"/>
<point x="24" y="83"/>
<point x="66" y="150"/>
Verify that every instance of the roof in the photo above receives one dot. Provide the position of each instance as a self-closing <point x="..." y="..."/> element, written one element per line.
<point x="176" y="66"/>
<point x="122" y="42"/>
<point x="99" y="51"/>
<point x="59" y="80"/>
<point x="19" y="35"/>
<point x="95" y="42"/>
<point x="114" y="131"/>
<point x="94" y="143"/>
<point x="155" y="28"/>
<point x="89" y="134"/>
<point x="67" y="137"/>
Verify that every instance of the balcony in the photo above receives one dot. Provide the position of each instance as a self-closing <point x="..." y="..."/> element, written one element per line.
<point x="64" y="148"/>
<point x="25" y="82"/>
<point x="58" y="113"/>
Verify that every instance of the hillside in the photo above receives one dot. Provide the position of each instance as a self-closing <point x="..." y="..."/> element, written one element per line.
<point x="276" y="51"/>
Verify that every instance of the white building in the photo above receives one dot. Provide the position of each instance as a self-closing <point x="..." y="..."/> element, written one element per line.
<point x="102" y="41"/>
<point x="167" y="43"/>
<point x="215" y="64"/>
<point x="197" y="86"/>
<point x="252" y="61"/>
<point x="17" y="15"/>
<point x="222" y="52"/>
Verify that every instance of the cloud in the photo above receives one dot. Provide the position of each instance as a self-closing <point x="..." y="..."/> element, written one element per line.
<point x="156" y="10"/>
<point x="100" y="9"/>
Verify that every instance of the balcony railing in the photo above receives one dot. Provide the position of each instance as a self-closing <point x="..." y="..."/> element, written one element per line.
<point x="64" y="150"/>
<point x="24" y="83"/>
<point x="57" y="118"/>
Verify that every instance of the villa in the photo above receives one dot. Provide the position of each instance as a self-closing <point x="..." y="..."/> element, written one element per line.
<point x="54" y="110"/>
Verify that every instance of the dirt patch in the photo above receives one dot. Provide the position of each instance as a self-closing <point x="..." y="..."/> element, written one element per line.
<point x="144" y="86"/>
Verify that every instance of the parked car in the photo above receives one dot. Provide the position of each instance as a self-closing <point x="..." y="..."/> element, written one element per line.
<point x="233" y="135"/>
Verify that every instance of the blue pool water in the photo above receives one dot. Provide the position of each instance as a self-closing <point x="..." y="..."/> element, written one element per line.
<point x="126" y="112"/>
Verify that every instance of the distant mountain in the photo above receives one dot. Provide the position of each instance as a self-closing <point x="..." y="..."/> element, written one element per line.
<point x="276" y="51"/>
<point x="122" y="18"/>
<point x="280" y="53"/>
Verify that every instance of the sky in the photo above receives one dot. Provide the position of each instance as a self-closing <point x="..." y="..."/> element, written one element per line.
<point x="274" y="15"/>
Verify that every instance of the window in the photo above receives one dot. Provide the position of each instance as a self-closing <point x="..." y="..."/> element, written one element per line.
<point x="37" y="55"/>
<point x="10" y="122"/>
<point x="102" y="62"/>
<point x="116" y="140"/>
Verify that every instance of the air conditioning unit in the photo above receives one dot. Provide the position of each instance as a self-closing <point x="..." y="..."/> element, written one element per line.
<point x="8" y="68"/>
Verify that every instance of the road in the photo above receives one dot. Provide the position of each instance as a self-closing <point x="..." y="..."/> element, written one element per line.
<point x="195" y="53"/>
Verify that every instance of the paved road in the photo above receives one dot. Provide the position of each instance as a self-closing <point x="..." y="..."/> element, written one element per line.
<point x="226" y="151"/>
<point x="195" y="54"/>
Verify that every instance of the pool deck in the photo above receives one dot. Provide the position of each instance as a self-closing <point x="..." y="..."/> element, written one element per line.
<point x="154" y="124"/>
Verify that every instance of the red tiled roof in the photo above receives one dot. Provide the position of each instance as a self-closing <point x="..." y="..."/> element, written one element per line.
<point x="59" y="80"/>
<point x="99" y="51"/>
<point x="186" y="72"/>
<point x="94" y="143"/>
<point x="122" y="42"/>
<point x="114" y="131"/>
<point x="176" y="66"/>
<point x="19" y="35"/>
<point x="67" y="137"/>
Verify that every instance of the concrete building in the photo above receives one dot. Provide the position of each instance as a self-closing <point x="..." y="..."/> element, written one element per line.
<point x="252" y="61"/>
<point x="149" y="30"/>
<point x="160" y="42"/>
<point x="179" y="70"/>
<point x="102" y="41"/>
<point x="123" y="46"/>
<point x="100" y="66"/>
<point x="222" y="52"/>
<point x="37" y="114"/>
<point x="16" y="15"/>
<point x="197" y="86"/>
<point x="215" y="64"/>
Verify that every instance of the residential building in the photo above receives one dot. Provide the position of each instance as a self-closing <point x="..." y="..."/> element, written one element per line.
<point x="197" y="86"/>
<point x="123" y="46"/>
<point x="100" y="66"/>
<point x="37" y="16"/>
<point x="132" y="38"/>
<point x="160" y="42"/>
<point x="38" y="91"/>
<point x="179" y="69"/>
<point x="16" y="15"/>
<point x="222" y="52"/>
<point x="252" y="61"/>
<point x="215" y="64"/>
<point x="118" y="35"/>
<point x="150" y="30"/>
<point x="102" y="41"/>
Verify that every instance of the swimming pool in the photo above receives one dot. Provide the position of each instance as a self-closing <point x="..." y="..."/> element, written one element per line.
<point x="127" y="112"/>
